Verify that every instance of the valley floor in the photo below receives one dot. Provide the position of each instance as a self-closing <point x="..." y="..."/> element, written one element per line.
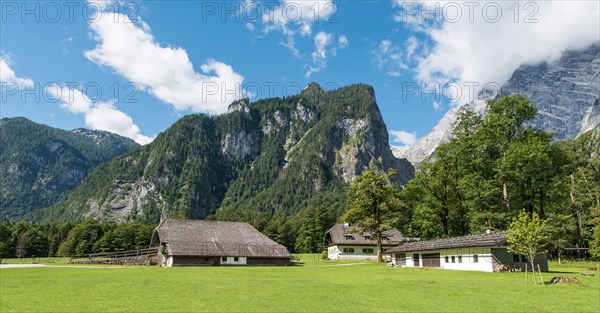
<point x="314" y="286"/>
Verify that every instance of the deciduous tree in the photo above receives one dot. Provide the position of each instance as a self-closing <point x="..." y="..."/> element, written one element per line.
<point x="373" y="204"/>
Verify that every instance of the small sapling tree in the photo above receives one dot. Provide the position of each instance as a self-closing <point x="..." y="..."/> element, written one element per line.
<point x="527" y="235"/>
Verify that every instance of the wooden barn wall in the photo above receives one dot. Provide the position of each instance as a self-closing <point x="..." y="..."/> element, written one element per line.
<point x="193" y="260"/>
<point x="268" y="261"/>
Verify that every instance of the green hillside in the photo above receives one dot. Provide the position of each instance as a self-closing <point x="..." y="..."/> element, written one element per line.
<point x="39" y="164"/>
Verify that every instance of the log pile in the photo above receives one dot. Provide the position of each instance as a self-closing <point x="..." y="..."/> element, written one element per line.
<point x="565" y="280"/>
<point x="504" y="268"/>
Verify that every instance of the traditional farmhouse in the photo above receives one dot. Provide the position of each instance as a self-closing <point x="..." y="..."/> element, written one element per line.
<point x="344" y="243"/>
<point x="475" y="252"/>
<point x="196" y="242"/>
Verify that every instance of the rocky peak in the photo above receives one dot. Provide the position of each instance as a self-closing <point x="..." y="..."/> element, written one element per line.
<point x="239" y="105"/>
<point x="564" y="92"/>
<point x="312" y="87"/>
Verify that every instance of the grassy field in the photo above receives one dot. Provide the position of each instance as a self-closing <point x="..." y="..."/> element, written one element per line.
<point x="315" y="286"/>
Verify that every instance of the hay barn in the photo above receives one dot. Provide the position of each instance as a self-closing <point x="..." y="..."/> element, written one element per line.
<point x="213" y="243"/>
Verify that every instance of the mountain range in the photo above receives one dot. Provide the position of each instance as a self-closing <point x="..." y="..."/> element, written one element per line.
<point x="273" y="157"/>
<point x="39" y="164"/>
<point x="566" y="93"/>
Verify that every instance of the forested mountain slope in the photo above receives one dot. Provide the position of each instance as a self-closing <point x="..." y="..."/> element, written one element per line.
<point x="39" y="164"/>
<point x="274" y="157"/>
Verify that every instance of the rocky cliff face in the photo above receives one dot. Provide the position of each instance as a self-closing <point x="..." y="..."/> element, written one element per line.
<point x="565" y="92"/>
<point x="592" y="117"/>
<point x="272" y="157"/>
<point x="441" y="133"/>
<point x="39" y="165"/>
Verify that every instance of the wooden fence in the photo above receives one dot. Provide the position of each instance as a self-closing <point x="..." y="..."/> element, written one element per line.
<point x="131" y="257"/>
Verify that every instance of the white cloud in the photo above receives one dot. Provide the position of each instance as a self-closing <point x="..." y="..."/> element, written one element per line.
<point x="322" y="40"/>
<point x="73" y="100"/>
<point x="296" y="16"/>
<point x="392" y="58"/>
<point x="101" y="4"/>
<point x="411" y="46"/>
<point x="322" y="54"/>
<point x="99" y="115"/>
<point x="129" y="48"/>
<point x="342" y="41"/>
<point x="7" y="75"/>
<point x="437" y="106"/>
<point x="403" y="137"/>
<point x="105" y="116"/>
<point x="384" y="46"/>
<point x="473" y="48"/>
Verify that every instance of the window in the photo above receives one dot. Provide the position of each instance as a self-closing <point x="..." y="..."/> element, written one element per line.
<point x="523" y="259"/>
<point x="460" y="259"/>
<point x="367" y="237"/>
<point x="446" y="258"/>
<point x="235" y="259"/>
<point x="515" y="258"/>
<point x="224" y="259"/>
<point x="206" y="259"/>
<point x="416" y="259"/>
<point x="367" y="250"/>
<point x="384" y="237"/>
<point x="348" y="237"/>
<point x="348" y="250"/>
<point x="475" y="258"/>
<point x="453" y="258"/>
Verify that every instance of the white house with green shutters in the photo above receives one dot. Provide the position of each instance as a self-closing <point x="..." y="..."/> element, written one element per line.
<point x="344" y="242"/>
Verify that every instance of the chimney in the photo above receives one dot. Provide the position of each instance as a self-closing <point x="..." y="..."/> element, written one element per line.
<point x="489" y="231"/>
<point x="346" y="225"/>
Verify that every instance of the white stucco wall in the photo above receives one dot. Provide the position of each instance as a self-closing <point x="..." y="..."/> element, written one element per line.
<point x="333" y="252"/>
<point x="337" y="253"/>
<point x="484" y="262"/>
<point x="242" y="260"/>
<point x="410" y="261"/>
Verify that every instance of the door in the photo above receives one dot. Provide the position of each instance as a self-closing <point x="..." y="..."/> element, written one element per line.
<point x="431" y="260"/>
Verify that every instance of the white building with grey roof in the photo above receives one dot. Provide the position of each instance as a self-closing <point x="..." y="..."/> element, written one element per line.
<point x="346" y="242"/>
<point x="484" y="252"/>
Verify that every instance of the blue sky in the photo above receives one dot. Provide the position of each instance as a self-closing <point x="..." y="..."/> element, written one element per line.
<point x="136" y="67"/>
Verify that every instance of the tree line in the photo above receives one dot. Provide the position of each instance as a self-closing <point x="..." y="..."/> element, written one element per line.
<point x="492" y="169"/>
<point x="495" y="166"/>
<point x="28" y="240"/>
<point x="495" y="169"/>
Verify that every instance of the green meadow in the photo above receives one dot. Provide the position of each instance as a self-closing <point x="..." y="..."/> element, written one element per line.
<point x="313" y="286"/>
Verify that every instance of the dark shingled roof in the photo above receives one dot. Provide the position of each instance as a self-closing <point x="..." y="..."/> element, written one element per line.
<point x="215" y="238"/>
<point x="337" y="235"/>
<point x="485" y="240"/>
